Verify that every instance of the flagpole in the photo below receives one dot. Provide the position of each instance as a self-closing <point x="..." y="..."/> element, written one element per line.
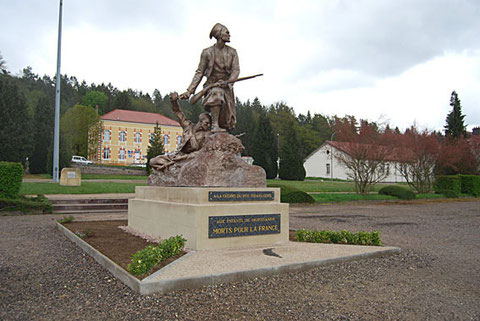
<point x="56" y="137"/>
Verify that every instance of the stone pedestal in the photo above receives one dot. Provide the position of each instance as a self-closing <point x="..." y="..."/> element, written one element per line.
<point x="211" y="217"/>
<point x="70" y="177"/>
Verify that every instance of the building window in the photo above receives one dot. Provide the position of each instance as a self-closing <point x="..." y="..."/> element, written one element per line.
<point x="123" y="136"/>
<point x="328" y="169"/>
<point x="165" y="140"/>
<point x="106" y="153"/>
<point x="179" y="140"/>
<point x="106" y="135"/>
<point x="121" y="154"/>
<point x="138" y="138"/>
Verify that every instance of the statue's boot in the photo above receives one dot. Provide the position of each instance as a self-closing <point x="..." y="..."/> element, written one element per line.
<point x="215" y="111"/>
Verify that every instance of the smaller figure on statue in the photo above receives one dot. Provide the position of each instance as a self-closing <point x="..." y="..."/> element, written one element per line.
<point x="194" y="136"/>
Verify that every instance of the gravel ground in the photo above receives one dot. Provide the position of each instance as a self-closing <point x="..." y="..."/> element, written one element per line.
<point x="44" y="276"/>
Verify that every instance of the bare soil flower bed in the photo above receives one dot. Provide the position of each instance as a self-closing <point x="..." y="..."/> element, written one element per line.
<point x="118" y="245"/>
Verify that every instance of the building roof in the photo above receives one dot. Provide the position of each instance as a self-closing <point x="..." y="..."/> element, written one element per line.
<point x="395" y="154"/>
<point x="139" y="117"/>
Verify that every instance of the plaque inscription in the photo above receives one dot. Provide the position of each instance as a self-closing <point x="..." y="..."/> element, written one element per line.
<point x="240" y="196"/>
<point x="243" y="225"/>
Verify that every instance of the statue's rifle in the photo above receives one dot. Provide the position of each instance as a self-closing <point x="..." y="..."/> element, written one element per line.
<point x="199" y="95"/>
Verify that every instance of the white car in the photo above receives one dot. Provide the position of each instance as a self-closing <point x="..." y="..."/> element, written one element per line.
<point x="80" y="160"/>
<point x="143" y="165"/>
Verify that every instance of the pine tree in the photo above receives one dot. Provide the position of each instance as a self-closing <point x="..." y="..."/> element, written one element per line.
<point x="156" y="146"/>
<point x="264" y="147"/>
<point x="43" y="132"/>
<point x="455" y="126"/>
<point x="15" y="122"/>
<point x="291" y="162"/>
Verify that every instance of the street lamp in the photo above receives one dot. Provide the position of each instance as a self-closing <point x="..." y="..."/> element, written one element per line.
<point x="56" y="135"/>
<point x="278" y="153"/>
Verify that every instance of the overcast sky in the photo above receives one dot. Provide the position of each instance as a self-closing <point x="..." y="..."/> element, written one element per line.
<point x="396" y="61"/>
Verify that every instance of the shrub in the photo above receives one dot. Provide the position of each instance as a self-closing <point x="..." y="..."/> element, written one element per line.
<point x="448" y="193"/>
<point x="11" y="175"/>
<point x="339" y="237"/>
<point x="470" y="184"/>
<point x="66" y="219"/>
<point x="85" y="233"/>
<point x="448" y="183"/>
<point x="297" y="197"/>
<point x="26" y="204"/>
<point x="292" y="195"/>
<point x="397" y="191"/>
<point x="145" y="259"/>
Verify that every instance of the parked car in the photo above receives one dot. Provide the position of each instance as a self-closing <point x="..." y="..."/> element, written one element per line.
<point x="143" y="165"/>
<point x="80" y="160"/>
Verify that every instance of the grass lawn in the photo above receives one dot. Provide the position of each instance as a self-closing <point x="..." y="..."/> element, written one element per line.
<point x="90" y="176"/>
<point x="323" y="186"/>
<point x="85" y="188"/>
<point x="334" y="198"/>
<point x="100" y="176"/>
<point x="350" y="197"/>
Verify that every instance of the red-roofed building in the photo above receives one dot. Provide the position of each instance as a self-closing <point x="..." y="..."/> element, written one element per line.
<point x="323" y="161"/>
<point x="126" y="136"/>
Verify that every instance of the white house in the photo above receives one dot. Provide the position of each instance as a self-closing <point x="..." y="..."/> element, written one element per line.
<point x="323" y="162"/>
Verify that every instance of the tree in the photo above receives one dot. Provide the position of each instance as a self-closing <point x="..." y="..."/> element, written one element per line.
<point x="457" y="157"/>
<point x="291" y="161"/>
<point x="43" y="123"/>
<point x="156" y="146"/>
<point x="122" y="101"/>
<point x="455" y="126"/>
<point x="246" y="124"/>
<point x="75" y="124"/>
<point x="419" y="153"/>
<point x="64" y="155"/>
<point x="3" y="65"/>
<point x="264" y="147"/>
<point x="15" y="122"/>
<point x="362" y="153"/>
<point x="95" y="98"/>
<point x="94" y="139"/>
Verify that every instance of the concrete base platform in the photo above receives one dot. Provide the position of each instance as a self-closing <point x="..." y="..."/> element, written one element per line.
<point x="199" y="268"/>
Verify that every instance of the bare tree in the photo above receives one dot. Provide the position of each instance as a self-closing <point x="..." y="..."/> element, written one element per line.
<point x="364" y="153"/>
<point x="366" y="163"/>
<point x="419" y="154"/>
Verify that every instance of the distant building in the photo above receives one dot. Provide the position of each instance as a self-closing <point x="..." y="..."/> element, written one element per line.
<point x="125" y="136"/>
<point x="323" y="163"/>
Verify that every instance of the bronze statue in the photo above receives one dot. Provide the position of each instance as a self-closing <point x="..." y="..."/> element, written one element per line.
<point x="193" y="138"/>
<point x="219" y="64"/>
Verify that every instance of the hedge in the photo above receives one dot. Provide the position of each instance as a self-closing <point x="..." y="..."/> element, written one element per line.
<point x="447" y="193"/>
<point x="339" y="237"/>
<point x="11" y="175"/>
<point x="445" y="183"/>
<point x="397" y="191"/>
<point x="470" y="184"/>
